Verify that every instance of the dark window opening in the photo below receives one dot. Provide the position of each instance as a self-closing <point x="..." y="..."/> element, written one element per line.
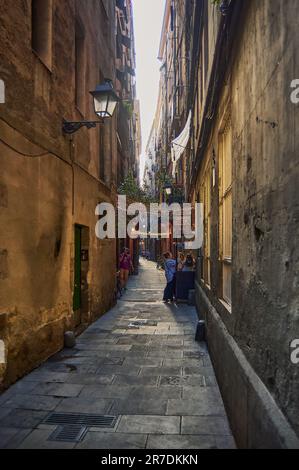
<point x="80" y="67"/>
<point x="42" y="24"/>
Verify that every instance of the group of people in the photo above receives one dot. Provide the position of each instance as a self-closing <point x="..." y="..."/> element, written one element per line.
<point x="186" y="263"/>
<point x="183" y="263"/>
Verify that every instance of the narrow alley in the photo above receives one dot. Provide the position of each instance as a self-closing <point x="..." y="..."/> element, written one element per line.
<point x="139" y="364"/>
<point x="137" y="135"/>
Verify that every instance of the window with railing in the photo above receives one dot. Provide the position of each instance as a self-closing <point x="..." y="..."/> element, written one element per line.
<point x="225" y="210"/>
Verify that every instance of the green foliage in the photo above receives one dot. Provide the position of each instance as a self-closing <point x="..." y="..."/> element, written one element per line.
<point x="178" y="195"/>
<point x="131" y="189"/>
<point x="162" y="179"/>
<point x="129" y="107"/>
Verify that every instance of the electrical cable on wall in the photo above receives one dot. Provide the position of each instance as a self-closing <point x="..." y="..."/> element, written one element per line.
<point x="44" y="154"/>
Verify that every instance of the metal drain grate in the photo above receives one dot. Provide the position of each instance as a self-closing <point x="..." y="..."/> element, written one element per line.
<point x="88" y="420"/>
<point x="68" y="434"/>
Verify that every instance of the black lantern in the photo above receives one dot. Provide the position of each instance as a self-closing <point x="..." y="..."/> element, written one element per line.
<point x="105" y="101"/>
<point x="168" y="189"/>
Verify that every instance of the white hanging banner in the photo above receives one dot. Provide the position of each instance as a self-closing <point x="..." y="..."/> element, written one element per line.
<point x="179" y="145"/>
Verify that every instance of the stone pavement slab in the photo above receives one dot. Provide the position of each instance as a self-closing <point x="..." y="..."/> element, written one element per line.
<point x="214" y="426"/>
<point x="154" y="393"/>
<point x="143" y="362"/>
<point x="4" y="412"/>
<point x="23" y="419"/>
<point x="161" y="371"/>
<point x="100" y="440"/>
<point x="57" y="390"/>
<point x="204" y="406"/>
<point x="181" y="442"/>
<point x="32" y="402"/>
<point x="155" y="406"/>
<point x="11" y="438"/>
<point x="156" y="380"/>
<point x="119" y="370"/>
<point x="85" y="405"/>
<point x="150" y="424"/>
<point x="106" y="391"/>
<point x="42" y="374"/>
<point x="136" y="380"/>
<point x="90" y="379"/>
<point x="202" y="394"/>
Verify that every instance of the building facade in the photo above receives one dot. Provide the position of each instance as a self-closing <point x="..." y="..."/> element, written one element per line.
<point x="128" y="123"/>
<point x="241" y="163"/>
<point x="171" y="112"/>
<point x="129" y="128"/>
<point x="55" y="275"/>
<point x="174" y="83"/>
<point x="244" y="170"/>
<point x="149" y="178"/>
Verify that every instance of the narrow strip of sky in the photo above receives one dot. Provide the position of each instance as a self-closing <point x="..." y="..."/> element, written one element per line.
<point x="148" y="15"/>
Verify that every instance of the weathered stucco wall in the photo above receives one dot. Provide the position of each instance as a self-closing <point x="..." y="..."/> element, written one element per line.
<point x="266" y="204"/>
<point x="48" y="183"/>
<point x="36" y="232"/>
<point x="265" y="301"/>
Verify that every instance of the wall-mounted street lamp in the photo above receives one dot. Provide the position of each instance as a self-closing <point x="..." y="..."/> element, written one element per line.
<point x="105" y="100"/>
<point x="168" y="188"/>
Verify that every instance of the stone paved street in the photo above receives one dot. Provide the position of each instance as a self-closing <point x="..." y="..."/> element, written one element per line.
<point x="156" y="379"/>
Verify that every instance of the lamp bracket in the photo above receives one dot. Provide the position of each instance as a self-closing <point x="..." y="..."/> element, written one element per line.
<point x="70" y="127"/>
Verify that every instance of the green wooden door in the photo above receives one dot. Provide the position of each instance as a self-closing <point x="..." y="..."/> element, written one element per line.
<point x="77" y="280"/>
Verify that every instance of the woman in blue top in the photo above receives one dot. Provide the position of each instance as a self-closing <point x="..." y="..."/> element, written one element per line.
<point x="170" y="273"/>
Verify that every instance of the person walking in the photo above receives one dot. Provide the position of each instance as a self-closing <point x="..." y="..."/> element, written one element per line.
<point x="181" y="261"/>
<point x="126" y="265"/>
<point x="170" y="273"/>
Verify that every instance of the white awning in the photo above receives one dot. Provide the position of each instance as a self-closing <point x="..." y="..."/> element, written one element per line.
<point x="179" y="145"/>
